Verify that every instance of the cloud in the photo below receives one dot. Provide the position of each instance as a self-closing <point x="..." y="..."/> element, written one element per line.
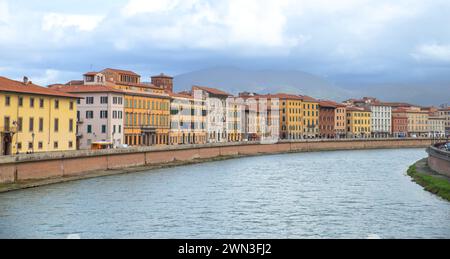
<point x="57" y="21"/>
<point x="212" y="24"/>
<point x="342" y="39"/>
<point x="432" y="52"/>
<point x="4" y="12"/>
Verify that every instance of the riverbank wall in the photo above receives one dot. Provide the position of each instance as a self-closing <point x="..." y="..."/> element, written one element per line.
<point x="61" y="165"/>
<point x="439" y="160"/>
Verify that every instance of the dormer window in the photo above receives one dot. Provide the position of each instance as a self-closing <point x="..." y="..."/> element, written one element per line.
<point x="100" y="79"/>
<point x="89" y="78"/>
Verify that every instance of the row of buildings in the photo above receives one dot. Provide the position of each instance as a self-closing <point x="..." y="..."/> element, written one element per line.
<point x="116" y="108"/>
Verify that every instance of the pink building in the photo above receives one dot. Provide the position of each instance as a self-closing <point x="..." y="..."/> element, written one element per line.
<point x="100" y="114"/>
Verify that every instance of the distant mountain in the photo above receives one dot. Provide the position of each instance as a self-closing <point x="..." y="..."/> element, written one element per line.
<point x="235" y="80"/>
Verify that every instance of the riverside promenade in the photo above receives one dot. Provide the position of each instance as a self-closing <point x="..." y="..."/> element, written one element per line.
<point x="24" y="171"/>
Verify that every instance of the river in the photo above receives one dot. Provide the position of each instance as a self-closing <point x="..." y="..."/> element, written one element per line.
<point x="342" y="194"/>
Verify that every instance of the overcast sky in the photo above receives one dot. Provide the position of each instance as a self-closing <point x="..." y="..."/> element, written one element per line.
<point x="349" y="42"/>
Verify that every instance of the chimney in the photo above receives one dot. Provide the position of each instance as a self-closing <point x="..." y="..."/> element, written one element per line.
<point x="25" y="80"/>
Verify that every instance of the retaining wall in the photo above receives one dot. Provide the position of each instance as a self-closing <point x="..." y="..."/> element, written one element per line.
<point x="60" y="164"/>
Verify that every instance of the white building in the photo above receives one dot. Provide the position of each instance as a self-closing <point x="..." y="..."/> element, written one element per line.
<point x="381" y="115"/>
<point x="381" y="120"/>
<point x="216" y="106"/>
<point x="445" y="113"/>
<point x="436" y="126"/>
<point x="100" y="114"/>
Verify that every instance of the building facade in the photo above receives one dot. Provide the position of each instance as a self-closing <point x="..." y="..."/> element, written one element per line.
<point x="399" y="123"/>
<point x="215" y="102"/>
<point x="291" y="116"/>
<point x="310" y="117"/>
<point x="146" y="106"/>
<point x="381" y="120"/>
<point x="327" y="119"/>
<point x="436" y="125"/>
<point x="35" y="119"/>
<point x="187" y="120"/>
<point x="417" y="122"/>
<point x="445" y="113"/>
<point x="261" y="117"/>
<point x="100" y="114"/>
<point x="358" y="122"/>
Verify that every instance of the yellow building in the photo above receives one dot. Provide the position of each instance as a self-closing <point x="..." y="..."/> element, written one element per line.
<point x="359" y="122"/>
<point x="187" y="120"/>
<point x="146" y="106"/>
<point x="35" y="118"/>
<point x="417" y="122"/>
<point x="310" y="117"/>
<point x="235" y="120"/>
<point x="291" y="116"/>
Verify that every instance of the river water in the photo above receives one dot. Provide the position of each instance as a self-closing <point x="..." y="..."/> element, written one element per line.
<point x="343" y="194"/>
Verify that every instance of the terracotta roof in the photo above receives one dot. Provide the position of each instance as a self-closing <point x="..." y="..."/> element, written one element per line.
<point x="306" y="98"/>
<point x="120" y="71"/>
<point x="357" y="109"/>
<point x="211" y="90"/>
<point x="75" y="82"/>
<point x="91" y="73"/>
<point x="181" y="95"/>
<point x="140" y="93"/>
<point x="88" y="89"/>
<point x="151" y="86"/>
<point x="283" y="96"/>
<point x="162" y="75"/>
<point x="398" y="104"/>
<point x="328" y="104"/>
<point x="8" y="85"/>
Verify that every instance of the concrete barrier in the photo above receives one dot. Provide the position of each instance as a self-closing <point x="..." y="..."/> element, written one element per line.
<point x="61" y="164"/>
<point x="439" y="160"/>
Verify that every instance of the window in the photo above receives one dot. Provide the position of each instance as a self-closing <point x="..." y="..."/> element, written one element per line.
<point x="56" y="104"/>
<point x="56" y="125"/>
<point x="120" y="129"/>
<point x="31" y="126"/>
<point x="7" y="100"/>
<point x="104" y="99"/>
<point x="19" y="145"/>
<point x="40" y="145"/>
<point x="31" y="102"/>
<point x="30" y="145"/>
<point x="71" y="106"/>
<point x="78" y="101"/>
<point x="89" y="100"/>
<point x="41" y="103"/>
<point x="103" y="114"/>
<point x="89" y="114"/>
<point x="89" y="128"/>
<point x="55" y="144"/>
<point x="103" y="128"/>
<point x="70" y="144"/>
<point x="71" y="125"/>
<point x="20" y="101"/>
<point x="41" y="124"/>
<point x="19" y="124"/>
<point x="114" y="129"/>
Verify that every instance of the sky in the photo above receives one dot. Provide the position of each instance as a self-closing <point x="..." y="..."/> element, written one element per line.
<point x="354" y="43"/>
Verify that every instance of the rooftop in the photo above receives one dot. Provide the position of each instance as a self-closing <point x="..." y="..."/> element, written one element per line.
<point x="8" y="85"/>
<point x="211" y="90"/>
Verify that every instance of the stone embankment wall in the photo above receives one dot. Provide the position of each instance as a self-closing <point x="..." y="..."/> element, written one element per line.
<point x="439" y="160"/>
<point x="62" y="164"/>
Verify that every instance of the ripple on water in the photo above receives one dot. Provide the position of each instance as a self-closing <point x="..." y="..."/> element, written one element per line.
<point x="348" y="194"/>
